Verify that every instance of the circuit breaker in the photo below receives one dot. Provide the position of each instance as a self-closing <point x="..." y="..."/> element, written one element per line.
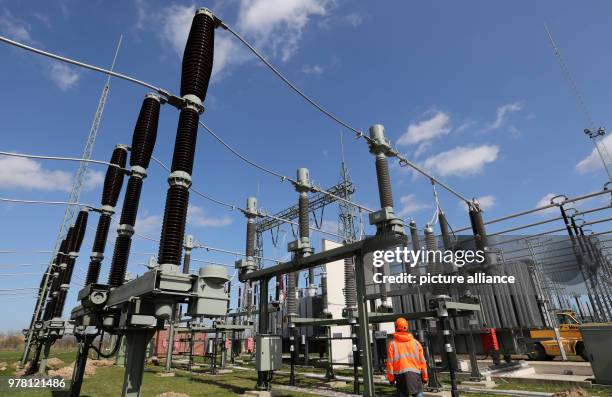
<point x="269" y="352"/>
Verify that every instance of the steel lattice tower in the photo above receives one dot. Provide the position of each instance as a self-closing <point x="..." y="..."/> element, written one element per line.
<point x="346" y="211"/>
<point x="75" y="195"/>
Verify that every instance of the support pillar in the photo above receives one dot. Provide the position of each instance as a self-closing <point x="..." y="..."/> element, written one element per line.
<point x="364" y="333"/>
<point x="135" y="346"/>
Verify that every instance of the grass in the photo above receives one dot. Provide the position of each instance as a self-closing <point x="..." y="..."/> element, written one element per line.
<point x="107" y="382"/>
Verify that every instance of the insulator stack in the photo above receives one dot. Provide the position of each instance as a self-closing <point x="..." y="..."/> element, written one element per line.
<point x="196" y="71"/>
<point x="304" y="228"/>
<point x="414" y="236"/>
<point x="431" y="244"/>
<point x="114" y="176"/>
<point x="73" y="246"/>
<point x="143" y="142"/>
<point x="198" y="55"/>
<point x="385" y="219"/>
<point x="446" y="240"/>
<point x="110" y="194"/>
<point x="478" y="228"/>
<point x="384" y="181"/>
<point x="250" y="238"/>
<point x="324" y="293"/>
<point x="350" y="284"/>
<point x="303" y="215"/>
<point x="60" y="264"/>
<point x="291" y="295"/>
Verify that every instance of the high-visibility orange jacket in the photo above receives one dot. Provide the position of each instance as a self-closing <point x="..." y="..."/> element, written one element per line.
<point x="405" y="354"/>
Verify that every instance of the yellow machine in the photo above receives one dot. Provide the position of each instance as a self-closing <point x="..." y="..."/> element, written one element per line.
<point x="545" y="346"/>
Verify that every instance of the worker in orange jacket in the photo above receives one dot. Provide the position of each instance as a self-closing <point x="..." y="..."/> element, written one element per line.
<point x="406" y="365"/>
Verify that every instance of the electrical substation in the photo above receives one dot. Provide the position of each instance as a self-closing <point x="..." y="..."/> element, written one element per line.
<point x="319" y="315"/>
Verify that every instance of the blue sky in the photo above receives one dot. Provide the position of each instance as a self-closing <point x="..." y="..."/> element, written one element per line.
<point x="470" y="90"/>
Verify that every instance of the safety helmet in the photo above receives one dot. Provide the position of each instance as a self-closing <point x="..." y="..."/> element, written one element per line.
<point x="401" y="324"/>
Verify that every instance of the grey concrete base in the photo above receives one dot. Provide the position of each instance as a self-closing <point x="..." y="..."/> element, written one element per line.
<point x="257" y="393"/>
<point x="336" y="384"/>
<point x="168" y="374"/>
<point x="487" y="384"/>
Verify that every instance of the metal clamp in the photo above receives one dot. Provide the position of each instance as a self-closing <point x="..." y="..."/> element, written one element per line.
<point x="125" y="230"/>
<point x="138" y="172"/>
<point x="180" y="178"/>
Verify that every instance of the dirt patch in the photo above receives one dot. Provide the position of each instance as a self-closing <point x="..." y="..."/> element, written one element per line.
<point x="3" y="365"/>
<point x="66" y="372"/>
<point x="102" y="363"/>
<point x="54" y="363"/>
<point x="573" y="392"/>
<point x="172" y="394"/>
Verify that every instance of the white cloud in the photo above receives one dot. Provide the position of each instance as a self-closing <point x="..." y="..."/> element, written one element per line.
<point x="592" y="162"/>
<point x="486" y="202"/>
<point x="422" y="148"/>
<point x="14" y="27"/>
<point x="64" y="76"/>
<point x="502" y="113"/>
<point x="329" y="225"/>
<point x="273" y="25"/>
<point x="314" y="69"/>
<point x="426" y="130"/>
<point x="197" y="217"/>
<point x="410" y="205"/>
<point x="175" y="22"/>
<point x="546" y="201"/>
<point x="175" y="25"/>
<point x="277" y="25"/>
<point x="93" y="179"/>
<point x="462" y="160"/>
<point x="148" y="223"/>
<point x="18" y="172"/>
<point x="354" y="19"/>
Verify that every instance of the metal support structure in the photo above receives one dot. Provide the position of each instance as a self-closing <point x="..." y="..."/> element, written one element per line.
<point x="85" y="341"/>
<point x="593" y="298"/>
<point x="363" y="329"/>
<point x="170" y="347"/>
<point x="136" y="346"/>
<point x="263" y="376"/>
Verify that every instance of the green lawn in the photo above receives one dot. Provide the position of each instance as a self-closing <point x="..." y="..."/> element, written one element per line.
<point x="107" y="382"/>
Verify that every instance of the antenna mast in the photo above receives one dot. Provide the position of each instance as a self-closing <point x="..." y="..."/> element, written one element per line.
<point x="595" y="134"/>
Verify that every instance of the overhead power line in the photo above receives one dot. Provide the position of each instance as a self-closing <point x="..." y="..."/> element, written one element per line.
<point x="22" y="265"/>
<point x="26" y="252"/>
<point x="77" y="159"/>
<point x="19" y="201"/>
<point x="403" y="161"/>
<point x="83" y="65"/>
<point x="18" y="274"/>
<point x="274" y="173"/>
<point x="234" y="206"/>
